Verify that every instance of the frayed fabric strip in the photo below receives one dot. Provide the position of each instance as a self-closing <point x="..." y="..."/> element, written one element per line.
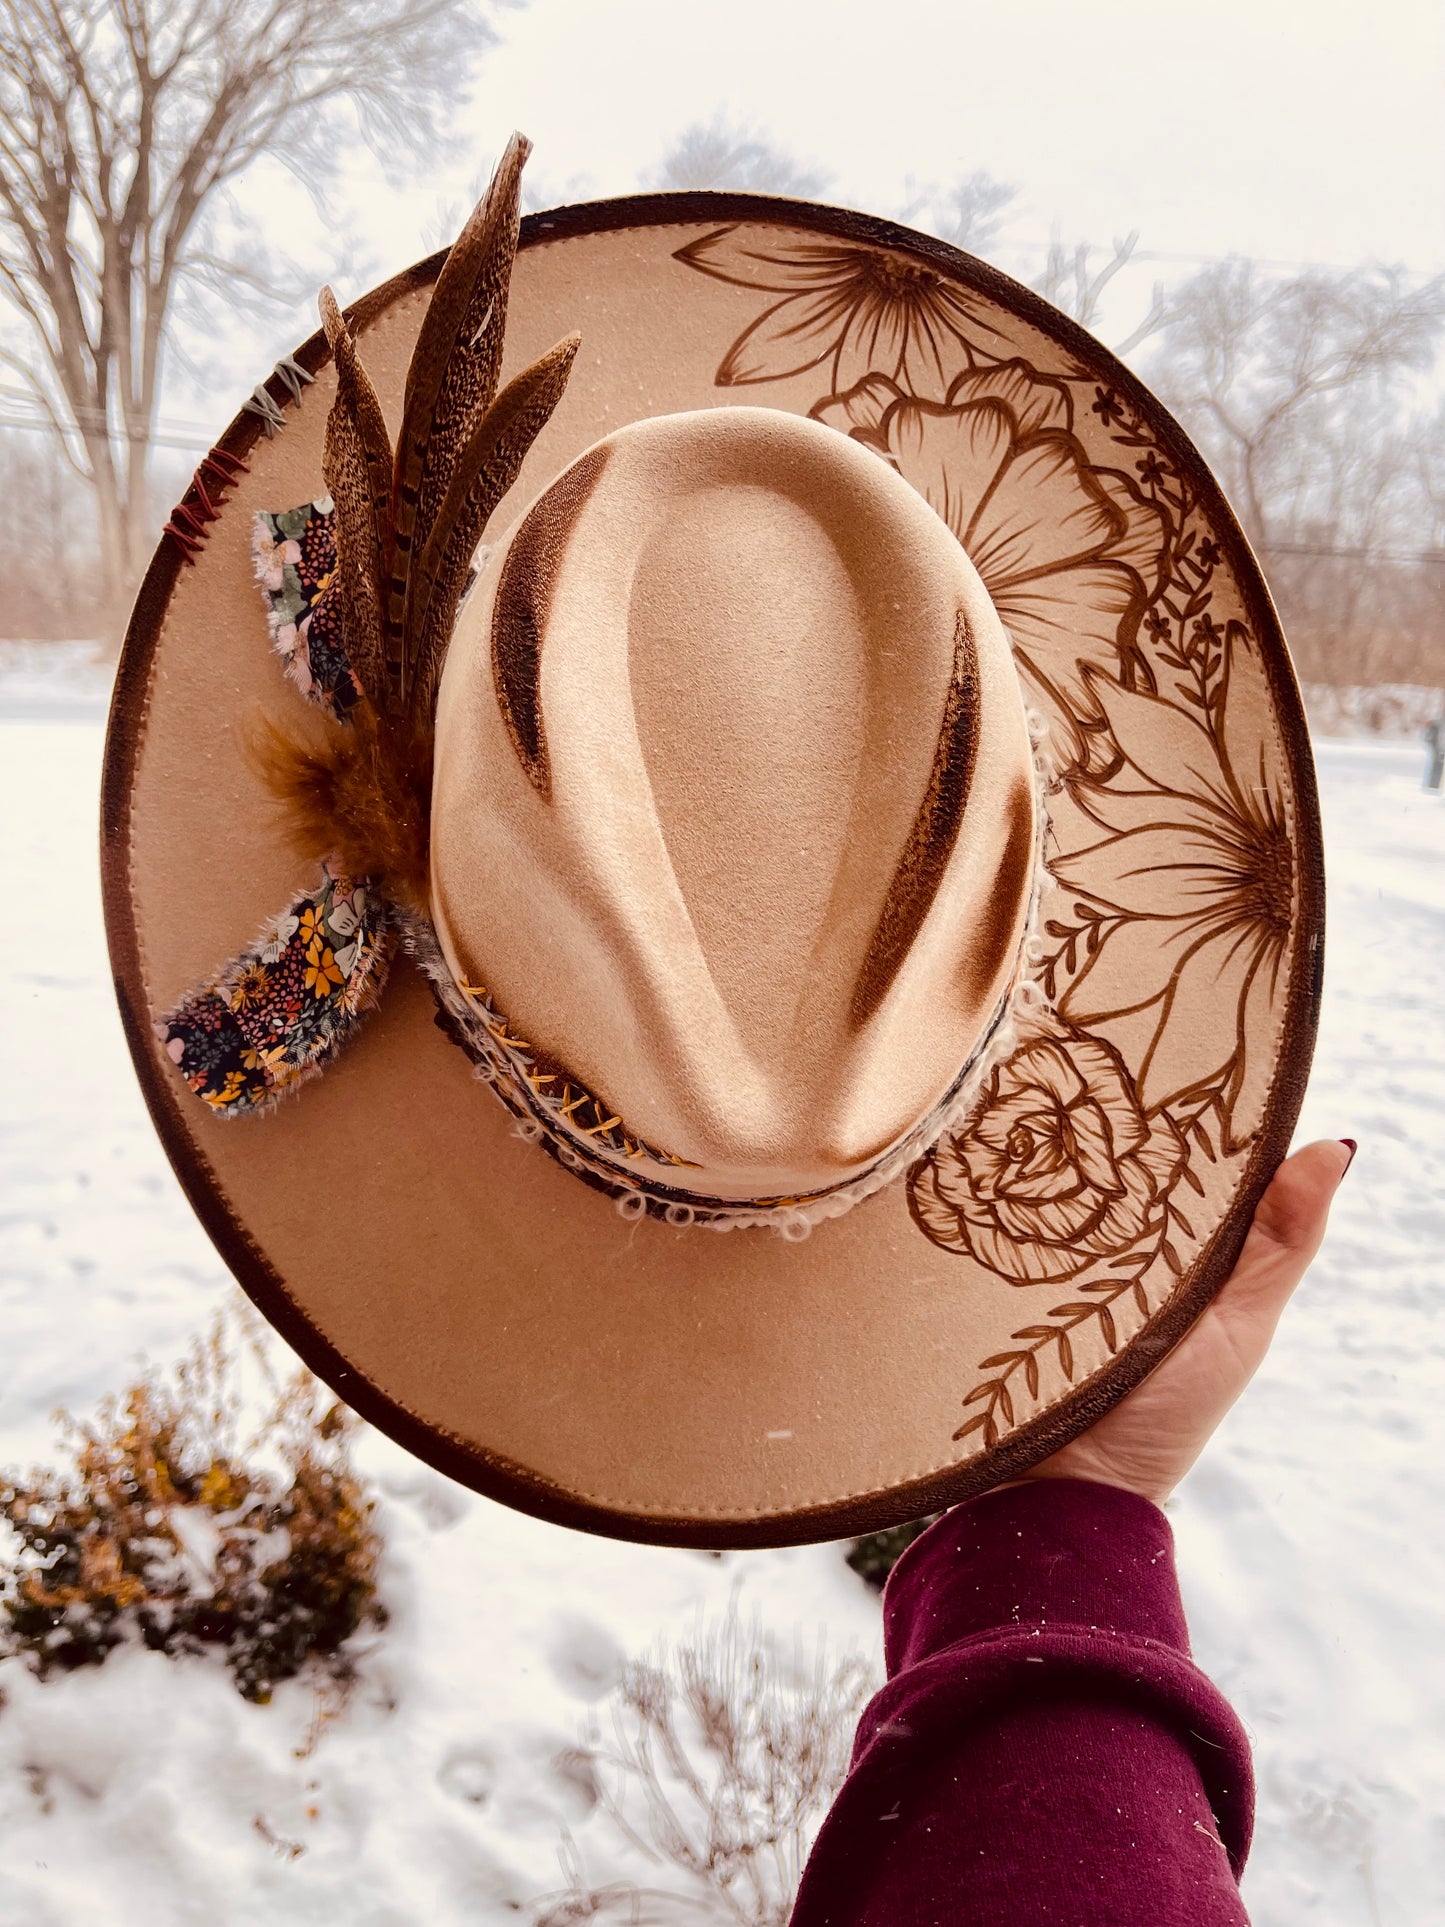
<point x="278" y="1013"/>
<point x="294" y="554"/>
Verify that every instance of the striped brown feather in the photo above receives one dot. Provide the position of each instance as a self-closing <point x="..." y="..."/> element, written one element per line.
<point x="487" y="469"/>
<point x="454" y="370"/>
<point x="356" y="462"/>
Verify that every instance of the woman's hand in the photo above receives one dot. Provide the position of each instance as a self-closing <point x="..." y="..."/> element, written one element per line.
<point x="1152" y="1437"/>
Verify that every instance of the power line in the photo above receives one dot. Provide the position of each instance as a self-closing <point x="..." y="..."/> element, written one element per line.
<point x="43" y="427"/>
<point x="166" y="426"/>
<point x="1003" y="244"/>
<point x="1429" y="558"/>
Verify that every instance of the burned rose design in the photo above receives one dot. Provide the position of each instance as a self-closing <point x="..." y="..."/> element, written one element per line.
<point x="1057" y="1169"/>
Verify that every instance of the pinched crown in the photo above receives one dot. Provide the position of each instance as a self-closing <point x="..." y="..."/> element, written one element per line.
<point x="733" y="826"/>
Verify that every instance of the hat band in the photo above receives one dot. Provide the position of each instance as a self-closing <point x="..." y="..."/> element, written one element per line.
<point x="578" y="1129"/>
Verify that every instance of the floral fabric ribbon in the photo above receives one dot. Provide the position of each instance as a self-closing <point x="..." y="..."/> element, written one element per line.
<point x="280" y="1011"/>
<point x="295" y="557"/>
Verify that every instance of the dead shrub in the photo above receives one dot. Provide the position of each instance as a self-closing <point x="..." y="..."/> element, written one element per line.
<point x="172" y="1526"/>
<point x="875" y="1555"/>
<point x="722" y="1761"/>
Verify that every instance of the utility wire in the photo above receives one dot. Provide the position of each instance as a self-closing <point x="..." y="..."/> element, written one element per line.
<point x="1430" y="558"/>
<point x="40" y="426"/>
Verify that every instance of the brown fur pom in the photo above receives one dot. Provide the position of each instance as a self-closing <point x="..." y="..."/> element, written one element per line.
<point x="357" y="792"/>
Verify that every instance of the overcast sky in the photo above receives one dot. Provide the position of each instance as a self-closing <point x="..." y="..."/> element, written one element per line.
<point x="1287" y="128"/>
<point x="1292" y="130"/>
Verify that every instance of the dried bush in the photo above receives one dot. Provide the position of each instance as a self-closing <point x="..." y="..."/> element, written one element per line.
<point x="875" y="1555"/>
<point x="722" y="1761"/>
<point x="170" y="1525"/>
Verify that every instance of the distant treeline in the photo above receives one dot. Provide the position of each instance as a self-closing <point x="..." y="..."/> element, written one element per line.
<point x="1313" y="392"/>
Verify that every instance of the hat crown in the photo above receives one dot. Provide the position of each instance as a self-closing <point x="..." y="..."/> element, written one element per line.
<point x="733" y="810"/>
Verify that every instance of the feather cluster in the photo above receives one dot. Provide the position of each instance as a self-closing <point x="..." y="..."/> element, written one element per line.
<point x="356" y="795"/>
<point x="408" y="522"/>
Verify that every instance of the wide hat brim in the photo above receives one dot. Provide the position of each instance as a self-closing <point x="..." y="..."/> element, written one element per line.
<point x="499" y="1318"/>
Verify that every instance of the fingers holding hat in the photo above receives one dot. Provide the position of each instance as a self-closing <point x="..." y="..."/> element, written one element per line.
<point x="1148" y="1442"/>
<point x="1288" y="1229"/>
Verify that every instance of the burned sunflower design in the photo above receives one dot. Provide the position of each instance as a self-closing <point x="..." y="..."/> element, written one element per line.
<point x="1190" y="888"/>
<point x="852" y="310"/>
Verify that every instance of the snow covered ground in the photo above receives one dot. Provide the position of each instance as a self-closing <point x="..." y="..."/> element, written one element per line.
<point x="1312" y="1545"/>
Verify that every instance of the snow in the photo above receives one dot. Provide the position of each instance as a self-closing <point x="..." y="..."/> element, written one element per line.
<point x="1373" y="709"/>
<point x="147" y="1791"/>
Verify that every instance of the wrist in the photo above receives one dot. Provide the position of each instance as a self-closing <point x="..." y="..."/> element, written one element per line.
<point x="1062" y="1467"/>
<point x="1046" y="1553"/>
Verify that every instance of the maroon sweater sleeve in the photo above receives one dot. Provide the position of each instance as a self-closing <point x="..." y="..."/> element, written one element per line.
<point x="1045" y="1751"/>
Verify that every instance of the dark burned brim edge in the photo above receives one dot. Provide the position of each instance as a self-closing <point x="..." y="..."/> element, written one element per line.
<point x="486" y="1472"/>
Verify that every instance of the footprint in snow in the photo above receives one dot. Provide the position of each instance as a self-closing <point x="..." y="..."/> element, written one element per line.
<point x="438" y="1502"/>
<point x="574" y="1775"/>
<point x="469" y="1774"/>
<point x="583" y="1656"/>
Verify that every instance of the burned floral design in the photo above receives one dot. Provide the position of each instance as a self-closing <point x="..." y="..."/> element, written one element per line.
<point x="1171" y="922"/>
<point x="1057" y="1168"/>
<point x="1070" y="553"/>
<point x="851" y="309"/>
<point x="1189" y="892"/>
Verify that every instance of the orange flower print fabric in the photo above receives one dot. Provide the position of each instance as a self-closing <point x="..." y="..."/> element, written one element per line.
<point x="281" y="1011"/>
<point x="294" y="551"/>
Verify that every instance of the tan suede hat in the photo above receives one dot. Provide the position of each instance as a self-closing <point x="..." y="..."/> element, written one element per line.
<point x="833" y="888"/>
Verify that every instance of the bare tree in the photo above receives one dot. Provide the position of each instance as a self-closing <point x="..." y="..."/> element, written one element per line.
<point x="722" y="153"/>
<point x="47" y="542"/>
<point x="968" y="211"/>
<point x="1301" y="391"/>
<point x="1430" y="474"/>
<point x="122" y="123"/>
<point x="1072" y="282"/>
<point x="1257" y="363"/>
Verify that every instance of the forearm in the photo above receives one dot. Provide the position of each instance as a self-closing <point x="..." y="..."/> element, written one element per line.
<point x="1045" y="1749"/>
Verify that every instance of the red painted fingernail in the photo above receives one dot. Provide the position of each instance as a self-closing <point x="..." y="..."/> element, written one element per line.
<point x="1351" y="1146"/>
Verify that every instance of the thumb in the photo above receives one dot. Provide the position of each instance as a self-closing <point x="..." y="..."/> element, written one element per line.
<point x="1288" y="1229"/>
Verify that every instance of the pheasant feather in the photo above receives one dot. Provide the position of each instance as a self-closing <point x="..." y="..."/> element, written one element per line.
<point x="356" y="461"/>
<point x="407" y="527"/>
<point x="453" y="376"/>
<point x="487" y="469"/>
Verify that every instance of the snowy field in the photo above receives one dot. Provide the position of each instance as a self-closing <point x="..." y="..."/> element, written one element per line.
<point x="148" y="1794"/>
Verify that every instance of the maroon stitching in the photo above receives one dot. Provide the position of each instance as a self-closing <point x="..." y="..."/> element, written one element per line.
<point x="189" y="521"/>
